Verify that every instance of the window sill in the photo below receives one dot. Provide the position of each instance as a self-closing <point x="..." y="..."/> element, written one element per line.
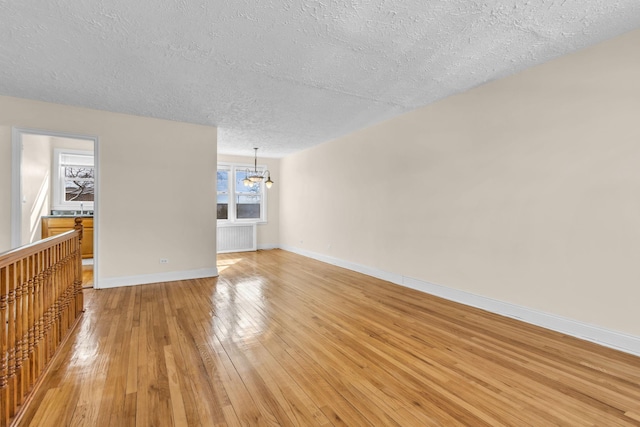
<point x="244" y="221"/>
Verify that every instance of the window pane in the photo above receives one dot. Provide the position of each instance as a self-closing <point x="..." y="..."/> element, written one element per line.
<point x="248" y="211"/>
<point x="78" y="183"/>
<point x="223" y="180"/>
<point x="223" y="211"/>
<point x="76" y="159"/>
<point x="247" y="198"/>
<point x="248" y="206"/>
<point x="240" y="187"/>
<point x="78" y="172"/>
<point x="78" y="190"/>
<point x="240" y="176"/>
<point x="223" y="206"/>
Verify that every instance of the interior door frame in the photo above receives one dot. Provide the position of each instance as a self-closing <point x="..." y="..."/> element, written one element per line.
<point x="16" y="186"/>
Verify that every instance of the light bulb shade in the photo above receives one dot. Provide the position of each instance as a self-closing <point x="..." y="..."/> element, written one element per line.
<point x="255" y="176"/>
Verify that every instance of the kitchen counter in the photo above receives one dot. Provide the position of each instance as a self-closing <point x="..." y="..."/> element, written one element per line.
<point x="67" y="216"/>
<point x="52" y="225"/>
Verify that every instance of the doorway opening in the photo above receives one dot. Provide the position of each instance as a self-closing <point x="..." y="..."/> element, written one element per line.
<point x="54" y="180"/>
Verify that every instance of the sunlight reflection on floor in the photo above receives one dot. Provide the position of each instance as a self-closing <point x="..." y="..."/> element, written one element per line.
<point x="223" y="264"/>
<point x="241" y="306"/>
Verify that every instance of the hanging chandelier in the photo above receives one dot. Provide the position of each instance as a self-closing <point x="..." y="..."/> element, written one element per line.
<point x="254" y="176"/>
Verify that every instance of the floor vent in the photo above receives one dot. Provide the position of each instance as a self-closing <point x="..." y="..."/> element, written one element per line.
<point x="236" y="238"/>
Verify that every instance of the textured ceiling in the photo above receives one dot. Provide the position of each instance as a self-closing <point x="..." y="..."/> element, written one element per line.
<point x="283" y="75"/>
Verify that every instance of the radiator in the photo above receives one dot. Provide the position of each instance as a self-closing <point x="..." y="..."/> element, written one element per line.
<point x="236" y="238"/>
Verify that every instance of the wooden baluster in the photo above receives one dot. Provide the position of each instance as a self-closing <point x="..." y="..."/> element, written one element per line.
<point x="50" y="304"/>
<point x="19" y="280"/>
<point x="46" y="274"/>
<point x="62" y="296"/>
<point x="33" y="271"/>
<point x="78" y="295"/>
<point x="61" y="286"/>
<point x="62" y="289"/>
<point x="45" y="305"/>
<point x="64" y="320"/>
<point x="71" y="280"/>
<point x="4" y="348"/>
<point x="39" y="313"/>
<point x="72" y="289"/>
<point x="46" y="286"/>
<point x="71" y="300"/>
<point x="69" y="264"/>
<point x="58" y="302"/>
<point x="53" y="303"/>
<point x="11" y="338"/>
<point x="24" y="359"/>
<point x="24" y="329"/>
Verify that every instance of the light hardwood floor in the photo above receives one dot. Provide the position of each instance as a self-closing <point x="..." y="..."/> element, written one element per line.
<point x="87" y="276"/>
<point x="279" y="339"/>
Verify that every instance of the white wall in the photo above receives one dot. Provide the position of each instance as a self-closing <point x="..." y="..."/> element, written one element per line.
<point x="268" y="233"/>
<point x="36" y="185"/>
<point x="70" y="144"/>
<point x="525" y="190"/>
<point x="156" y="189"/>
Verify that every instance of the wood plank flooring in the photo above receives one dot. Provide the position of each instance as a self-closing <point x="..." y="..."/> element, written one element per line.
<point x="282" y="340"/>
<point x="87" y="276"/>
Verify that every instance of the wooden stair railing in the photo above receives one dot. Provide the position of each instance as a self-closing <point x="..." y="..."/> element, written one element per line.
<point x="40" y="303"/>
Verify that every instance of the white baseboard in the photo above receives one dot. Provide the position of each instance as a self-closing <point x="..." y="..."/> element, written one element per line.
<point x="268" y="246"/>
<point x="145" y="279"/>
<point x="369" y="271"/>
<point x="605" y="337"/>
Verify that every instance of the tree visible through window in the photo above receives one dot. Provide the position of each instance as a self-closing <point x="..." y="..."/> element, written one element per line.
<point x="78" y="183"/>
<point x="74" y="178"/>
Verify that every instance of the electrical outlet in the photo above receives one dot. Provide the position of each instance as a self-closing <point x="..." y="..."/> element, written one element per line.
<point x="164" y="261"/>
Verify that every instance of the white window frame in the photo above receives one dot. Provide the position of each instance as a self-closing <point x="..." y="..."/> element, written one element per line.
<point x="58" y="182"/>
<point x="232" y="168"/>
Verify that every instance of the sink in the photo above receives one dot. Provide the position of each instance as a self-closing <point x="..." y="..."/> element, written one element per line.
<point x="71" y="214"/>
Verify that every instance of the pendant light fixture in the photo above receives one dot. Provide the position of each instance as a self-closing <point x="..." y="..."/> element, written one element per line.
<point x="254" y="176"/>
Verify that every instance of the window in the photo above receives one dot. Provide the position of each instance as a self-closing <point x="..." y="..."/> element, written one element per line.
<point x="247" y="198"/>
<point x="235" y="200"/>
<point x="223" y="193"/>
<point x="73" y="180"/>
